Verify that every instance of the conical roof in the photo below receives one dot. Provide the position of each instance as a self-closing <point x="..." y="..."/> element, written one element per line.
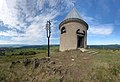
<point x="73" y="14"/>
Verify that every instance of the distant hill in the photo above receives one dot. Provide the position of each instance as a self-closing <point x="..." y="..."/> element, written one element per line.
<point x="111" y="46"/>
<point x="12" y="45"/>
<point x="23" y="46"/>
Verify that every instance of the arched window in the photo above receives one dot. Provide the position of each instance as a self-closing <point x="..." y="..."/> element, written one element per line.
<point x="78" y="31"/>
<point x="83" y="32"/>
<point x="63" y="30"/>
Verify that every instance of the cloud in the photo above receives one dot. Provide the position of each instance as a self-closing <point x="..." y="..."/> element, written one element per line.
<point x="103" y="29"/>
<point x="9" y="33"/>
<point x="8" y="13"/>
<point x="26" y="19"/>
<point x="97" y="28"/>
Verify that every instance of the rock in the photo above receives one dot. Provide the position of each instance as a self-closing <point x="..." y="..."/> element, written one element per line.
<point x="18" y="61"/>
<point x="26" y="61"/>
<point x="36" y="63"/>
<point x="44" y="60"/>
<point x="83" y="49"/>
<point x="11" y="66"/>
<point x="52" y="62"/>
<point x="66" y="71"/>
<point x="61" y="79"/>
<point x="85" y="58"/>
<point x="48" y="66"/>
<point x="72" y="59"/>
<point x="57" y="70"/>
<point x="48" y="58"/>
<point x="13" y="63"/>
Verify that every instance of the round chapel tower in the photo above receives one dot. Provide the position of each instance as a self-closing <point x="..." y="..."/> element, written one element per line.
<point x="73" y="31"/>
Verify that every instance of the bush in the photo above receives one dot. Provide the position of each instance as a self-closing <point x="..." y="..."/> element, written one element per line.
<point x="2" y="53"/>
<point x="27" y="53"/>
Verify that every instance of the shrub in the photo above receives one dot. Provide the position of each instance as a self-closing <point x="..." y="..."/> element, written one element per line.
<point x="30" y="53"/>
<point x="2" y="53"/>
<point x="27" y="53"/>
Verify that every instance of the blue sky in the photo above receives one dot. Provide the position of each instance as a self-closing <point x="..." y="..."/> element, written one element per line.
<point x="23" y="21"/>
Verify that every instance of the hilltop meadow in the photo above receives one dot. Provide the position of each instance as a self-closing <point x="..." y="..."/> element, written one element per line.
<point x="31" y="64"/>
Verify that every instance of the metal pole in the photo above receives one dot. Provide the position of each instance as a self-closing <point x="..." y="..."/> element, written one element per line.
<point x="48" y="47"/>
<point x="48" y="29"/>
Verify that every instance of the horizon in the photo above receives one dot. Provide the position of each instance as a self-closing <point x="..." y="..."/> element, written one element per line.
<point x="108" y="46"/>
<point x="51" y="44"/>
<point x="23" y="22"/>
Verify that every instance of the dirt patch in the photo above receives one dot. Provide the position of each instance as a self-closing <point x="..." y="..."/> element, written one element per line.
<point x="68" y="66"/>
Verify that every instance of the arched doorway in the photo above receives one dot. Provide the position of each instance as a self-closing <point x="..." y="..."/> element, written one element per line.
<point x="80" y="38"/>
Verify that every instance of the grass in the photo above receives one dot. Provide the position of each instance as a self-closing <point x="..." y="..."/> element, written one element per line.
<point x="107" y="65"/>
<point x="101" y="67"/>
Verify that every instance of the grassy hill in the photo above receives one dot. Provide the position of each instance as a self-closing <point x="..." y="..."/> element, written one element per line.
<point x="94" y="65"/>
<point x="112" y="46"/>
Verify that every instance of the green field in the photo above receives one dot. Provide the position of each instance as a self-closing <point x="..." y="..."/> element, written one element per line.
<point x="94" y="65"/>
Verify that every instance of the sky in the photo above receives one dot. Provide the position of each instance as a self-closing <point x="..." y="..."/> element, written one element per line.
<point x="24" y="21"/>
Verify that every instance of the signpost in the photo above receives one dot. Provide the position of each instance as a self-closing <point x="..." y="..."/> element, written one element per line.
<point x="48" y="30"/>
